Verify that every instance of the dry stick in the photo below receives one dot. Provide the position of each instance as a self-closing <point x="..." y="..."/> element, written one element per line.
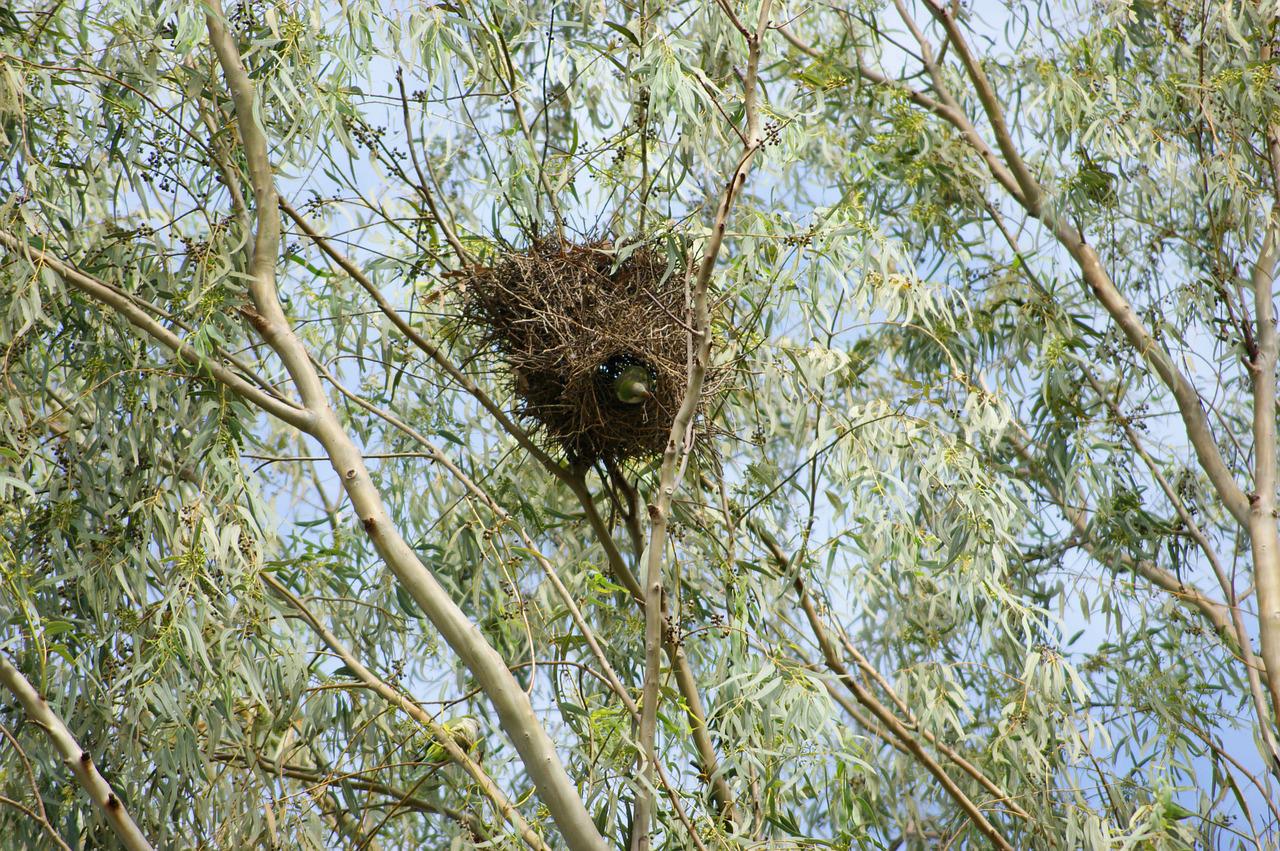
<point x="509" y="700"/>
<point x="783" y="562"/>
<point x="73" y="756"/>
<point x="576" y="484"/>
<point x="672" y="455"/>
<point x="398" y="698"/>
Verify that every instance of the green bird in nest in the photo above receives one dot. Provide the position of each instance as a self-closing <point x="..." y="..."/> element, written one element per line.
<point x="626" y="379"/>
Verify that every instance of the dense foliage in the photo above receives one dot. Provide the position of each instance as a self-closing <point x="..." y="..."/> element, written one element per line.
<point x="975" y="543"/>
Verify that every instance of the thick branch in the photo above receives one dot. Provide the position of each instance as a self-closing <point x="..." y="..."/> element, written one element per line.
<point x="1185" y="394"/>
<point x="74" y="757"/>
<point x="1263" y="532"/>
<point x="512" y="705"/>
<point x="1226" y="620"/>
<point x="1031" y="192"/>
<point x="395" y="697"/>
<point x="1244" y="641"/>
<point x="608" y="675"/>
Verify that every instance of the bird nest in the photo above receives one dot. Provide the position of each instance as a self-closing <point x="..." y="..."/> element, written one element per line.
<point x="566" y="319"/>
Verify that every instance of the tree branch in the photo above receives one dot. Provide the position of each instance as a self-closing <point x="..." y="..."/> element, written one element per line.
<point x="1216" y="613"/>
<point x="127" y="307"/>
<point x="1263" y="532"/>
<point x="325" y="779"/>
<point x="446" y="226"/>
<point x="783" y="562"/>
<point x="899" y="729"/>
<point x="676" y="447"/>
<point x="1031" y="193"/>
<point x="1244" y="642"/>
<point x="75" y="758"/>
<point x="512" y="705"/>
<point x="1026" y="191"/>
<point x="430" y="349"/>
<point x="397" y="698"/>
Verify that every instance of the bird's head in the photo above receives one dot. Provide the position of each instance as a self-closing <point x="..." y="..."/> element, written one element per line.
<point x="626" y="379"/>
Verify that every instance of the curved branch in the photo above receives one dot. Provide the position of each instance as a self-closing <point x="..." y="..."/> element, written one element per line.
<point x="325" y="779"/>
<point x="514" y="710"/>
<point x="450" y="236"/>
<point x="783" y="561"/>
<point x="1021" y="185"/>
<point x="896" y="726"/>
